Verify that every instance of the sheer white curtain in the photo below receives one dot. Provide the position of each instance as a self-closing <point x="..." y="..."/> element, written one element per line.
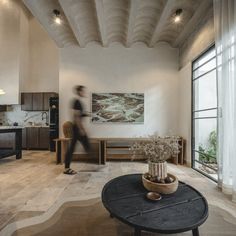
<point x="225" y="32"/>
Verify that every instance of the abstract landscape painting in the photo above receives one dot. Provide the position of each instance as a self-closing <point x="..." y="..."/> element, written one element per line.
<point x="118" y="107"/>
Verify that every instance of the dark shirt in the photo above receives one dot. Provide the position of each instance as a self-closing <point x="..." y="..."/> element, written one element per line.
<point x="77" y="105"/>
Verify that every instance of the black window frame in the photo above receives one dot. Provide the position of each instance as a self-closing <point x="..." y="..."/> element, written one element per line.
<point x="192" y="110"/>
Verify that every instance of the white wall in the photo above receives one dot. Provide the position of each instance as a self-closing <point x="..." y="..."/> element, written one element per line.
<point x="153" y="71"/>
<point x="185" y="108"/>
<point x="43" y="61"/>
<point x="9" y="52"/>
<point x="23" y="48"/>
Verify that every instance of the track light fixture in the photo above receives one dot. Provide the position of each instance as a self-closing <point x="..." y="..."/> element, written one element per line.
<point x="177" y="16"/>
<point x="57" y="16"/>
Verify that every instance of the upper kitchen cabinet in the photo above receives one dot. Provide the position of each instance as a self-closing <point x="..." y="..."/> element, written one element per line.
<point x="3" y="108"/>
<point x="27" y="101"/>
<point x="36" y="101"/>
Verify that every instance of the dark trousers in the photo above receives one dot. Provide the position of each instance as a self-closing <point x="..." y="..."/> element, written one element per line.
<point x="83" y="139"/>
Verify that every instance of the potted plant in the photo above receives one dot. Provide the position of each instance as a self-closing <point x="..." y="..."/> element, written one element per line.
<point x="157" y="150"/>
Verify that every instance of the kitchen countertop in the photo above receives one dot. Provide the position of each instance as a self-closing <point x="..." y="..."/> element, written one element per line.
<point x="11" y="127"/>
<point x="22" y="127"/>
<point x="36" y="126"/>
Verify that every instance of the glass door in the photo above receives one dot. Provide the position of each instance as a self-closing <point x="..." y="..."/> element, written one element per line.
<point x="204" y="114"/>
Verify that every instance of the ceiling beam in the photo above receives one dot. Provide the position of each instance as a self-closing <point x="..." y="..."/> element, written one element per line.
<point x="134" y="4"/>
<point x="75" y="26"/>
<point x="101" y="22"/>
<point x="201" y="11"/>
<point x="169" y="6"/>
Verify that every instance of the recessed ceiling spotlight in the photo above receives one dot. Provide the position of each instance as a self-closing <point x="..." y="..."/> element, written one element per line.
<point x="177" y="16"/>
<point x="57" y="16"/>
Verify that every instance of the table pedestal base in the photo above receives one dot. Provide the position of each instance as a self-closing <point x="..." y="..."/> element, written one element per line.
<point x="137" y="232"/>
<point x="195" y="232"/>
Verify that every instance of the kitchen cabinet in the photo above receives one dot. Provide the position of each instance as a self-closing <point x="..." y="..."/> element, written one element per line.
<point x="7" y="140"/>
<point x="27" y="101"/>
<point x="3" y="108"/>
<point x="35" y="138"/>
<point x="44" y="138"/>
<point x="24" y="141"/>
<point x="32" y="101"/>
<point x="36" y="101"/>
<point x="32" y="137"/>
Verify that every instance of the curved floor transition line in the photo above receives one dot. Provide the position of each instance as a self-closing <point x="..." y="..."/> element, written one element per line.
<point x="86" y="218"/>
<point x="12" y="227"/>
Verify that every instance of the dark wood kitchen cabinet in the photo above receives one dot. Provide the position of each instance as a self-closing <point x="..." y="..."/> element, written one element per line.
<point x="27" y="101"/>
<point x="32" y="101"/>
<point x="35" y="138"/>
<point x="36" y="101"/>
<point x="32" y="137"/>
<point x="7" y="140"/>
<point x="3" y="108"/>
<point x="24" y="141"/>
<point x="44" y="138"/>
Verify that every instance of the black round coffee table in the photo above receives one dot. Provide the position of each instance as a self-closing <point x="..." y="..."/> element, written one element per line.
<point x="125" y="199"/>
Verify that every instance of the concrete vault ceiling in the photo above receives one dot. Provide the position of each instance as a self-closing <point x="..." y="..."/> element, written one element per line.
<point x="123" y="21"/>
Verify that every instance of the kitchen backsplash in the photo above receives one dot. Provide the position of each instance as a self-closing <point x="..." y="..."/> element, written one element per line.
<point x="14" y="114"/>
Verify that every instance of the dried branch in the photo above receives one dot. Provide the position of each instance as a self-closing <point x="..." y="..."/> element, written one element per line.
<point x="157" y="149"/>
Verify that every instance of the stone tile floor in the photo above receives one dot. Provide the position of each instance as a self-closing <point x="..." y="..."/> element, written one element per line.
<point x="35" y="184"/>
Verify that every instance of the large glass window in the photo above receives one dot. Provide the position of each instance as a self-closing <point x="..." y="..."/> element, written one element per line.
<point x="204" y="114"/>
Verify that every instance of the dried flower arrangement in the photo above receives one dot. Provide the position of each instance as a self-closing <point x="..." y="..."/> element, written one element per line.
<point x="157" y="149"/>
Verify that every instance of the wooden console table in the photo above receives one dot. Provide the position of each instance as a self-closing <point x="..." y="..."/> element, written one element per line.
<point x="112" y="148"/>
<point x="62" y="145"/>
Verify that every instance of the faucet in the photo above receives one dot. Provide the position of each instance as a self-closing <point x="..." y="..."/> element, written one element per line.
<point x="45" y="117"/>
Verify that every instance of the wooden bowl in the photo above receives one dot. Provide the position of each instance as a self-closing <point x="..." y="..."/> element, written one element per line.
<point x="153" y="196"/>
<point x="166" y="188"/>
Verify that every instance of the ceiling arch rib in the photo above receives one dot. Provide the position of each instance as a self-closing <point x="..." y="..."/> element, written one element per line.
<point x="168" y="8"/>
<point x="116" y="16"/>
<point x="101" y="22"/>
<point x="82" y="18"/>
<point x="147" y="16"/>
<point x="133" y="8"/>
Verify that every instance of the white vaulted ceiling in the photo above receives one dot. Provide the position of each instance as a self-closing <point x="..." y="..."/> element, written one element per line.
<point x="123" y="21"/>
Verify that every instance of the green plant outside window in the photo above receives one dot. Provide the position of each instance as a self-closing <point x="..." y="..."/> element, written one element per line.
<point x="207" y="154"/>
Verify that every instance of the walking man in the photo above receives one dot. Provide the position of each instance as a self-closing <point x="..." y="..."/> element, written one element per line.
<point x="79" y="133"/>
